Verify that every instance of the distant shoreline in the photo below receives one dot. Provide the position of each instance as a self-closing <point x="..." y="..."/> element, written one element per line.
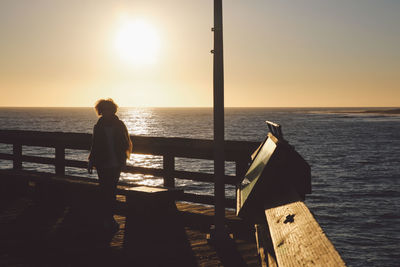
<point x="384" y="111"/>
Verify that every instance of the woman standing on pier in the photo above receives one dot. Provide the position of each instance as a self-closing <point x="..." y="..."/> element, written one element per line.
<point x="111" y="147"/>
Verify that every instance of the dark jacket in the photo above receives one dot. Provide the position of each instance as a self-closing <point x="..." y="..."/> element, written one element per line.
<point x="99" y="151"/>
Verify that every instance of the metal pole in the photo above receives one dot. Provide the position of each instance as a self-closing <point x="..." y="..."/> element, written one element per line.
<point x="219" y="158"/>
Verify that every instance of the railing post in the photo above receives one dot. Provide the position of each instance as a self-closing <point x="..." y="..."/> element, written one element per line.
<point x="169" y="167"/>
<point x="17" y="154"/>
<point x="60" y="160"/>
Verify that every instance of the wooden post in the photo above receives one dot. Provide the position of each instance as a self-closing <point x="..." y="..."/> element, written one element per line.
<point x="219" y="157"/>
<point x="169" y="166"/>
<point x="17" y="154"/>
<point x="265" y="247"/>
<point x="60" y="160"/>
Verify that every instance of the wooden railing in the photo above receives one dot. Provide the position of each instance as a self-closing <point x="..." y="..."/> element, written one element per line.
<point x="169" y="148"/>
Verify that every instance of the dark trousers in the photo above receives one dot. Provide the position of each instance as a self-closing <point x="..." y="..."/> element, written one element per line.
<point x="108" y="179"/>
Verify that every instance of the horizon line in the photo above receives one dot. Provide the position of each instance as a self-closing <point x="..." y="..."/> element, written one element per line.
<point x="205" y="107"/>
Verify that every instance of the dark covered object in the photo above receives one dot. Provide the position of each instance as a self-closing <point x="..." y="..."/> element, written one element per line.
<point x="276" y="175"/>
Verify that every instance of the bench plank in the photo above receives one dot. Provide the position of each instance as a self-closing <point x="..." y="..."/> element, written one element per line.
<point x="86" y="184"/>
<point x="298" y="239"/>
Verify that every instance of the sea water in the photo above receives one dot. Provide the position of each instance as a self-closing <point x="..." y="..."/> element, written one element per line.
<point x="354" y="158"/>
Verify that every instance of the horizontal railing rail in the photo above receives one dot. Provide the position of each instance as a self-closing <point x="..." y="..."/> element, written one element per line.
<point x="169" y="148"/>
<point x="291" y="236"/>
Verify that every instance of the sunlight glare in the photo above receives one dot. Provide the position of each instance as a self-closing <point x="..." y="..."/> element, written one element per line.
<point x="137" y="42"/>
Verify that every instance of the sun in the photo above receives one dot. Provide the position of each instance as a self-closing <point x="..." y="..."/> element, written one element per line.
<point x="137" y="42"/>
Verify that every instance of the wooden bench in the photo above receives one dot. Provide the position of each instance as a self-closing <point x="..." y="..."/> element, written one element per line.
<point x="19" y="181"/>
<point x="142" y="203"/>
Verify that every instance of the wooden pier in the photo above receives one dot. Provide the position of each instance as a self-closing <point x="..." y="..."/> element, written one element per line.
<point x="51" y="219"/>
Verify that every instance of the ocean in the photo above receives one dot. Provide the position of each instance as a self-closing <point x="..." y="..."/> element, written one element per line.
<point x="354" y="158"/>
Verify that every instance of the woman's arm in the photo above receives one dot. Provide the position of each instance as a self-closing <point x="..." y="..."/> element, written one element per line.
<point x="125" y="140"/>
<point x="92" y="150"/>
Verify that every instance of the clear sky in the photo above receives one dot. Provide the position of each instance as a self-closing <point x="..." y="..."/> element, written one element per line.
<point x="302" y="53"/>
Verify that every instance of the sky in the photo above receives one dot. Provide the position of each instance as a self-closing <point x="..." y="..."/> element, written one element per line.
<point x="148" y="53"/>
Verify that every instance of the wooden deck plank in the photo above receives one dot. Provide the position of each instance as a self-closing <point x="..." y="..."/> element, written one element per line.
<point x="298" y="239"/>
<point x="33" y="236"/>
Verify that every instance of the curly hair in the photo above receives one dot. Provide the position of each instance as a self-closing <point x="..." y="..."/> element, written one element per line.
<point x="105" y="104"/>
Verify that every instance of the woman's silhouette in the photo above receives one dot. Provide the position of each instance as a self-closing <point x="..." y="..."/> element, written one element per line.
<point x="111" y="147"/>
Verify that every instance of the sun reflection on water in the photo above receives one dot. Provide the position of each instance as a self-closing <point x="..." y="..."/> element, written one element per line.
<point x="137" y="120"/>
<point x="146" y="161"/>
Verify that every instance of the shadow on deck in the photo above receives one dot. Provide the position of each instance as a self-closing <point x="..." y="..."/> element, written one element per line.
<point x="34" y="234"/>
